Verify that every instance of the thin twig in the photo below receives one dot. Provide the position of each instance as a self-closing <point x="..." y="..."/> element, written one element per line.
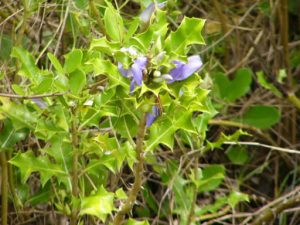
<point x="31" y="96"/>
<point x="286" y="150"/>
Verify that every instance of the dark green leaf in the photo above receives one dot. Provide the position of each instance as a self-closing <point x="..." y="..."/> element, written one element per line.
<point x="231" y="90"/>
<point x="237" y="154"/>
<point x="9" y="136"/>
<point x="213" y="175"/>
<point x="262" y="117"/>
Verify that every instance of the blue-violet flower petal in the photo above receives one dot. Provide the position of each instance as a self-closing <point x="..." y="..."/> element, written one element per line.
<point x="135" y="73"/>
<point x="148" y="12"/>
<point x="184" y="70"/>
<point x="150" y="117"/>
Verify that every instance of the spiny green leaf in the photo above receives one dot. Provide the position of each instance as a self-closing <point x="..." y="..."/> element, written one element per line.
<point x="106" y="67"/>
<point x="161" y="132"/>
<point x="189" y="32"/>
<point x="28" y="163"/>
<point x="20" y="116"/>
<point x="99" y="204"/>
<point x="105" y="46"/>
<point x="9" y="136"/>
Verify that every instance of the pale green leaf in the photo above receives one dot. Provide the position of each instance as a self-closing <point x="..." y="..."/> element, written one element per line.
<point x="113" y="23"/>
<point x="28" y="163"/>
<point x="99" y="204"/>
<point x="28" y="69"/>
<point x="77" y="81"/>
<point x="55" y="63"/>
<point x="136" y="222"/>
<point x="189" y="32"/>
<point x="73" y="60"/>
<point x="235" y="197"/>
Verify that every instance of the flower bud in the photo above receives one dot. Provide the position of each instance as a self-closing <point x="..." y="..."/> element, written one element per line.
<point x="158" y="79"/>
<point x="157" y="73"/>
<point x="167" y="77"/>
<point x="160" y="56"/>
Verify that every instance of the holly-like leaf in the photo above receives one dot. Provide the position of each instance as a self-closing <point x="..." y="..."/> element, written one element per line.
<point x="107" y="68"/>
<point x="161" y="133"/>
<point x="99" y="204"/>
<point x="19" y="115"/>
<point x="28" y="163"/>
<point x="10" y="136"/>
<point x="189" y="32"/>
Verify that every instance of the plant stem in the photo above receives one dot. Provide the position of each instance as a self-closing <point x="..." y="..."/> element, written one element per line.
<point x="242" y="126"/>
<point x="285" y="39"/>
<point x="195" y="191"/>
<point x="4" y="188"/>
<point x="271" y="213"/>
<point x="74" y="172"/>
<point x="31" y="96"/>
<point x="95" y="13"/>
<point x="11" y="183"/>
<point x="294" y="100"/>
<point x="138" y="174"/>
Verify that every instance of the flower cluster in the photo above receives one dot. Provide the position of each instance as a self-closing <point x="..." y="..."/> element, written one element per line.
<point x="182" y="71"/>
<point x="135" y="73"/>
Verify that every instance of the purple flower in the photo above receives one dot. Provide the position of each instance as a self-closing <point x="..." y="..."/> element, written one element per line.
<point x="135" y="73"/>
<point x="150" y="117"/>
<point x="148" y="12"/>
<point x="183" y="70"/>
<point x="40" y="103"/>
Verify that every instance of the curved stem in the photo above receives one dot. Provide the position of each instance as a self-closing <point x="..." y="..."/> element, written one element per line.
<point x="138" y="174"/>
<point x="74" y="173"/>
